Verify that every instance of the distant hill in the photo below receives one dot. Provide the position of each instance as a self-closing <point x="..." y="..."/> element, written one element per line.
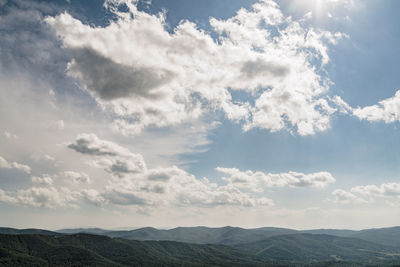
<point x="202" y="235"/>
<point x="97" y="231"/>
<point x="223" y="235"/>
<point x="29" y="231"/>
<point x="335" y="232"/>
<point x="95" y="250"/>
<point x="385" y="236"/>
<point x="313" y="248"/>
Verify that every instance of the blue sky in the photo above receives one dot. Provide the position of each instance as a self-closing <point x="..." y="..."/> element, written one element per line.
<point x="181" y="113"/>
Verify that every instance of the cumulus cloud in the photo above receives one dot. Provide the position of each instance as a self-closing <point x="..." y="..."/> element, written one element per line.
<point x="14" y="165"/>
<point x="90" y="144"/>
<point x="120" y="81"/>
<point x="112" y="157"/>
<point x="163" y="186"/>
<point x="152" y="76"/>
<point x="75" y="177"/>
<point x="48" y="197"/>
<point x="6" y="198"/>
<point x="367" y="193"/>
<point x="43" y="157"/>
<point x="41" y="197"/>
<point x="44" y="180"/>
<point x="344" y="197"/>
<point x="257" y="180"/>
<point x="174" y="187"/>
<point x="132" y="183"/>
<point x="72" y="177"/>
<point x="153" y="187"/>
<point x="387" y="110"/>
<point x="386" y="189"/>
<point x="93" y="197"/>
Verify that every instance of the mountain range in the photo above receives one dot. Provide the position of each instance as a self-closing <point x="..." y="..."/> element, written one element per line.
<point x="200" y="246"/>
<point x="233" y="235"/>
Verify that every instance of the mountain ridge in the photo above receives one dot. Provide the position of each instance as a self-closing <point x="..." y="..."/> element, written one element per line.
<point x="228" y="235"/>
<point x="83" y="249"/>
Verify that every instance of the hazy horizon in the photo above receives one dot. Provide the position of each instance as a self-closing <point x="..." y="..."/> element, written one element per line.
<point x="161" y="113"/>
<point x="195" y="226"/>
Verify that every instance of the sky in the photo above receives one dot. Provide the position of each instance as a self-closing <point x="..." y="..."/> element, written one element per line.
<point x="166" y="113"/>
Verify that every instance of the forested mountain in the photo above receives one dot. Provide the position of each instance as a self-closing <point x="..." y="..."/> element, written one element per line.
<point x="199" y="246"/>
<point x="232" y="235"/>
<point x="95" y="250"/>
<point x="30" y="231"/>
<point x="309" y="248"/>
<point x="202" y="235"/>
<point x="385" y="236"/>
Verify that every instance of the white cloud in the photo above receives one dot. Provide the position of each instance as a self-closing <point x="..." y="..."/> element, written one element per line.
<point x="110" y="156"/>
<point x="43" y="157"/>
<point x="159" y="78"/>
<point x="71" y="177"/>
<point x="41" y="197"/>
<point x="386" y="189"/>
<point x="342" y="105"/>
<point x="6" y="198"/>
<point x="75" y="177"/>
<point x="93" y="197"/>
<point x="90" y="144"/>
<point x="344" y="197"/>
<point x="387" y="110"/>
<point x="172" y="186"/>
<point x="44" y="180"/>
<point x="367" y="193"/>
<point x="14" y="165"/>
<point x="29" y="97"/>
<point x="48" y="197"/>
<point x="257" y="180"/>
<point x="155" y="186"/>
